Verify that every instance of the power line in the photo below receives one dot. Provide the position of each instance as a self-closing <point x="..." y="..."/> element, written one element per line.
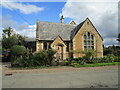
<point x="19" y="14"/>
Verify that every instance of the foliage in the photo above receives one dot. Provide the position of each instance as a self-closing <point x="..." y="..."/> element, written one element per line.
<point x="83" y="60"/>
<point x="96" y="64"/>
<point x="118" y="37"/>
<point x="16" y="39"/>
<point x="107" y="51"/>
<point x="89" y="54"/>
<point x="7" y="43"/>
<point x="17" y="50"/>
<point x="109" y="58"/>
<point x="20" y="38"/>
<point x="44" y="57"/>
<point x="7" y="31"/>
<point x="72" y="61"/>
<point x="41" y="58"/>
<point x="115" y="50"/>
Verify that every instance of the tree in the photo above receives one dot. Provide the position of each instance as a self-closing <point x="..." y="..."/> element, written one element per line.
<point x="118" y="37"/>
<point x="7" y="31"/>
<point x="20" y="38"/>
<point x="15" y="39"/>
<point x="7" y="43"/>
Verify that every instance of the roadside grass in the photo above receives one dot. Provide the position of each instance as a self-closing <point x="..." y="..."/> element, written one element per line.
<point x="96" y="64"/>
<point x="35" y="67"/>
<point x="76" y="66"/>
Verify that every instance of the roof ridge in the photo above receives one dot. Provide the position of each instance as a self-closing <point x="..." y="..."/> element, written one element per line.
<point x="59" y="23"/>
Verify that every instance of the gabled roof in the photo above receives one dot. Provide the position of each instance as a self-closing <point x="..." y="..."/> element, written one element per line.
<point x="60" y="41"/>
<point x="77" y="28"/>
<point x="74" y="31"/>
<point x="95" y="29"/>
<point x="49" y="31"/>
<point x="72" y="22"/>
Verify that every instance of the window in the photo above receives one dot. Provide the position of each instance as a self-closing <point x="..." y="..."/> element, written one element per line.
<point x="58" y="48"/>
<point x="45" y="45"/>
<point x="67" y="48"/>
<point x="85" y="43"/>
<point x="88" y="41"/>
<point x="49" y="45"/>
<point x="92" y="42"/>
<point x="88" y="35"/>
<point x="88" y="23"/>
<point x="91" y="37"/>
<point x="85" y="37"/>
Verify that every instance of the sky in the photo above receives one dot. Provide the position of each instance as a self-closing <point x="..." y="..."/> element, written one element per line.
<point x="22" y="16"/>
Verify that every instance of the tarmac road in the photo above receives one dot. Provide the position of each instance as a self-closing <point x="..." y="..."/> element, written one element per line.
<point x="88" y="78"/>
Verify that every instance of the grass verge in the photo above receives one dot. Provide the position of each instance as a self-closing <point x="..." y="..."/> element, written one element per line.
<point x="97" y="64"/>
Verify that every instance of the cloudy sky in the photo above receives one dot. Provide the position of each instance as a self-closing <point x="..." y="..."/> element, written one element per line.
<point x="22" y="16"/>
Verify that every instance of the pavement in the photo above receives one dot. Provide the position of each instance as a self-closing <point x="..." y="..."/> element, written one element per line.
<point x="86" y="78"/>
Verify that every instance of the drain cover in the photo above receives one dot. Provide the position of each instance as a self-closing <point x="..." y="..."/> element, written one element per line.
<point x="8" y="74"/>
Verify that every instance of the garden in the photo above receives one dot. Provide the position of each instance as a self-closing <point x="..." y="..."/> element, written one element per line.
<point x="23" y="58"/>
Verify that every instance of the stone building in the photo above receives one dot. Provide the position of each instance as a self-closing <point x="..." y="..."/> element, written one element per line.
<point x="69" y="40"/>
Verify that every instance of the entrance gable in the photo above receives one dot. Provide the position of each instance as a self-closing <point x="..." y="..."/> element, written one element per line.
<point x="58" y="40"/>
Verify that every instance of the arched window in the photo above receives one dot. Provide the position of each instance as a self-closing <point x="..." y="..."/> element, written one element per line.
<point x="45" y="45"/>
<point x="88" y="41"/>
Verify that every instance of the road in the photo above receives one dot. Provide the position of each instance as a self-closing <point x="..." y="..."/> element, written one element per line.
<point x="87" y="78"/>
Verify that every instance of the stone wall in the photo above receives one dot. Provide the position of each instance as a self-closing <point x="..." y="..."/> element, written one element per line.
<point x="78" y="42"/>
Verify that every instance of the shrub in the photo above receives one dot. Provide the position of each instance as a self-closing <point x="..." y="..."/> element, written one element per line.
<point x="67" y="62"/>
<point x="44" y="57"/>
<point x="89" y="54"/>
<point x="17" y="50"/>
<point x="109" y="58"/>
<point x="73" y="61"/>
<point x="19" y="55"/>
<point x="41" y="58"/>
<point x="50" y="56"/>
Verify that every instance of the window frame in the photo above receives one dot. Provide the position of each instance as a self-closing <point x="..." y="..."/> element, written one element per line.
<point x="88" y="42"/>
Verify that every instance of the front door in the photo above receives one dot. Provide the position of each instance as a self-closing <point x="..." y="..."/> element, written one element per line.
<point x="59" y="52"/>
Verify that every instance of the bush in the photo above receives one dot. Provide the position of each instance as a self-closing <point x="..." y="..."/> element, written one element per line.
<point x="83" y="60"/>
<point x="50" y="56"/>
<point x="109" y="58"/>
<point x="73" y="61"/>
<point x="17" y="50"/>
<point x="89" y="54"/>
<point x="39" y="58"/>
<point x="67" y="63"/>
<point x="42" y="58"/>
<point x="18" y="53"/>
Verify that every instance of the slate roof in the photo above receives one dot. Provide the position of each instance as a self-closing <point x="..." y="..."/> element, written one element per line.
<point x="30" y="39"/>
<point x="75" y="30"/>
<point x="49" y="31"/>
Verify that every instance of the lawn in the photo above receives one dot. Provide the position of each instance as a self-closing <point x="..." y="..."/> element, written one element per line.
<point x="97" y="64"/>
